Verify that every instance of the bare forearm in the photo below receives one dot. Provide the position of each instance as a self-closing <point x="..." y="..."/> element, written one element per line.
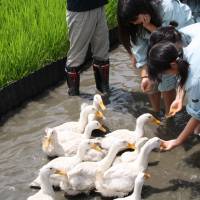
<point x="180" y="94"/>
<point x="188" y="130"/>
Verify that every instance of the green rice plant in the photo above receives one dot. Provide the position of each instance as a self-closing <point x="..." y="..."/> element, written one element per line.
<point x="34" y="33"/>
<point x="111" y="10"/>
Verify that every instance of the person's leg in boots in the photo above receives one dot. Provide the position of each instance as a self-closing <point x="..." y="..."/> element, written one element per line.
<point x="100" y="50"/>
<point x="73" y="80"/>
<point x="101" y="73"/>
<point x="81" y="29"/>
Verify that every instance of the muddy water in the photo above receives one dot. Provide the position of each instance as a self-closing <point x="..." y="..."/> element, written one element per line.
<point x="174" y="175"/>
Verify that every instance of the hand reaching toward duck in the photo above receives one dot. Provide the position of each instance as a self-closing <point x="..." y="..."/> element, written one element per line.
<point x="168" y="145"/>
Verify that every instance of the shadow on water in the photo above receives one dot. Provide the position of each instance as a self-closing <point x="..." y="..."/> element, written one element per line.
<point x="147" y="190"/>
<point x="175" y="184"/>
<point x="194" y="159"/>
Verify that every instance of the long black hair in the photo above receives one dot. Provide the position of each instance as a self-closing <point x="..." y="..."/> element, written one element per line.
<point x="128" y="10"/>
<point x="160" y="56"/>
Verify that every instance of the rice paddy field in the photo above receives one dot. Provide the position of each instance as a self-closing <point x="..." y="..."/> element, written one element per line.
<point x="34" y="33"/>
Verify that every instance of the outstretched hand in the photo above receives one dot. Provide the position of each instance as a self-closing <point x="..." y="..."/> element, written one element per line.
<point x="175" y="107"/>
<point x="168" y="145"/>
<point x="146" y="84"/>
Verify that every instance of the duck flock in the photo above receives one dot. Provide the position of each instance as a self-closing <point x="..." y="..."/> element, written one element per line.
<point x="84" y="163"/>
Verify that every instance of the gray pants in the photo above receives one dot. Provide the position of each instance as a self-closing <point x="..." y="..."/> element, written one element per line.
<point x="86" y="28"/>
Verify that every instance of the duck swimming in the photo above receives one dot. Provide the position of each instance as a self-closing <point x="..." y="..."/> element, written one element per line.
<point x="119" y="179"/>
<point x="67" y="163"/>
<point x="46" y="192"/>
<point x="139" y="182"/>
<point x="128" y="135"/>
<point x="82" y="177"/>
<point x="55" y="146"/>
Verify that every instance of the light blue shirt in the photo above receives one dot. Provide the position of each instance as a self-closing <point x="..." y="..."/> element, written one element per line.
<point x="191" y="31"/>
<point x="171" y="10"/>
<point x="192" y="86"/>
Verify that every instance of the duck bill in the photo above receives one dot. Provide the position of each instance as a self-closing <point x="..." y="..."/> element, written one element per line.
<point x="131" y="146"/>
<point x="96" y="147"/>
<point x="102" y="106"/>
<point x="99" y="115"/>
<point x="102" y="129"/>
<point x="147" y="176"/>
<point x="155" y="121"/>
<point x="60" y="172"/>
<point x="46" y="142"/>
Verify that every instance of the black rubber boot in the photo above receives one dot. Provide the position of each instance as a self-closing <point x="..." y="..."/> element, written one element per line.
<point x="101" y="73"/>
<point x="73" y="80"/>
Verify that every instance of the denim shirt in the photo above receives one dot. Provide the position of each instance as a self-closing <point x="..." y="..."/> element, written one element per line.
<point x="171" y="10"/>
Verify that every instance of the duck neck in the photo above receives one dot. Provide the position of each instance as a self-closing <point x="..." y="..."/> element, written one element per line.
<point x="107" y="161"/>
<point x="87" y="132"/>
<point x="139" y="129"/>
<point x="143" y="157"/>
<point x="80" y="154"/>
<point x="83" y="121"/>
<point x="137" y="191"/>
<point x="45" y="184"/>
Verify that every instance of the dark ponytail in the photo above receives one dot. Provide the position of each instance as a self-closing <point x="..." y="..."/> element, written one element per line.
<point x="183" y="67"/>
<point x="160" y="57"/>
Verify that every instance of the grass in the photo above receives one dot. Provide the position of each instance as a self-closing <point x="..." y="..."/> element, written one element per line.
<point x="34" y="33"/>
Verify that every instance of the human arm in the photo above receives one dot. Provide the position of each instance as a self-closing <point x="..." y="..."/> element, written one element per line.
<point x="146" y="83"/>
<point x="177" y="104"/>
<point x="187" y="131"/>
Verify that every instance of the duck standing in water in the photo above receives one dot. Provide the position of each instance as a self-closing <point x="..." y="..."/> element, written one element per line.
<point x="82" y="177"/>
<point x="130" y="156"/>
<point x="119" y="179"/>
<point x="46" y="192"/>
<point x="55" y="146"/>
<point x="131" y="136"/>
<point x="139" y="182"/>
<point x="67" y="163"/>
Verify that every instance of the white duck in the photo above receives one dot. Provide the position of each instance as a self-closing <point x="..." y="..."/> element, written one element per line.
<point x="130" y="156"/>
<point x="82" y="177"/>
<point x="128" y="135"/>
<point x="54" y="146"/>
<point x="46" y="192"/>
<point x="65" y="130"/>
<point x="139" y="182"/>
<point x="97" y="103"/>
<point x="119" y="179"/>
<point x="67" y="163"/>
